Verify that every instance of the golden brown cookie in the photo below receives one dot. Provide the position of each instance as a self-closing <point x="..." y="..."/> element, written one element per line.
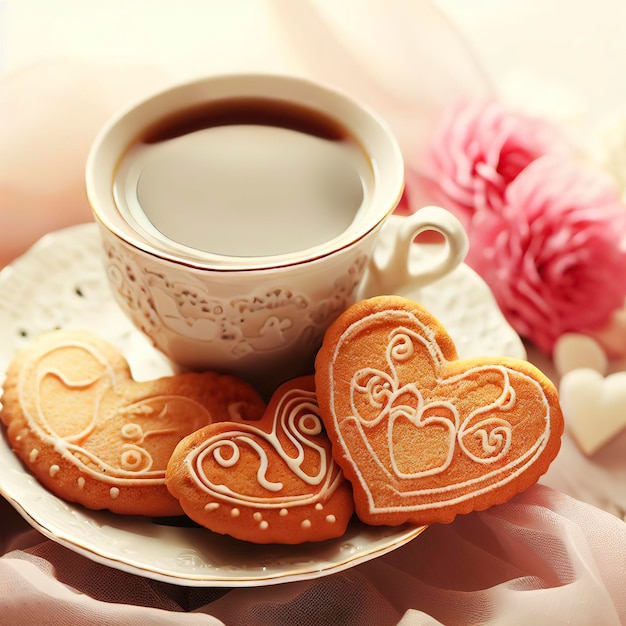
<point x="421" y="435"/>
<point x="273" y="481"/>
<point x="93" y="435"/>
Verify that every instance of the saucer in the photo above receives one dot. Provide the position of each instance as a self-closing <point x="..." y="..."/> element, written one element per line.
<point x="60" y="283"/>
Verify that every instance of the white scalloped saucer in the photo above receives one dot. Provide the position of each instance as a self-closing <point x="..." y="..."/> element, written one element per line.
<point x="60" y="282"/>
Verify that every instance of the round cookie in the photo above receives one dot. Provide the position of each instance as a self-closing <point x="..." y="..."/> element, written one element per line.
<point x="93" y="435"/>
<point x="273" y="481"/>
<point x="421" y="435"/>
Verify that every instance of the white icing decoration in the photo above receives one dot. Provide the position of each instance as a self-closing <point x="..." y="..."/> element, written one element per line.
<point x="306" y="523"/>
<point x="263" y="525"/>
<point x="283" y="512"/>
<point x="331" y="519"/>
<point x="133" y="458"/>
<point x="54" y="470"/>
<point x="235" y="512"/>
<point x="297" y="419"/>
<point x="34" y="453"/>
<point x="319" y="506"/>
<point x="131" y="431"/>
<point x="114" y="492"/>
<point x="81" y="482"/>
<point x="211" y="506"/>
<point x="258" y="516"/>
<point x="388" y="396"/>
<point x="135" y="461"/>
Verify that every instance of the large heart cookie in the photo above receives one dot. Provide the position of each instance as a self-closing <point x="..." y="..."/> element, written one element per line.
<point x="421" y="435"/>
<point x="93" y="435"/>
<point x="272" y="481"/>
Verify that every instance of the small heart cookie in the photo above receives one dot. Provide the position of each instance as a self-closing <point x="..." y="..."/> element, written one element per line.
<point x="594" y="407"/>
<point x="421" y="435"/>
<point x="273" y="481"/>
<point x="93" y="435"/>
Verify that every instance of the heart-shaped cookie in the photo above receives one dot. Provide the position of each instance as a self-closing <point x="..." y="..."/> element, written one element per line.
<point x="91" y="434"/>
<point x="594" y="406"/>
<point x="271" y="481"/>
<point x="421" y="435"/>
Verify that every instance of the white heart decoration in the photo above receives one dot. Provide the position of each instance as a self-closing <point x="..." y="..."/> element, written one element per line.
<point x="573" y="351"/>
<point x="594" y="406"/>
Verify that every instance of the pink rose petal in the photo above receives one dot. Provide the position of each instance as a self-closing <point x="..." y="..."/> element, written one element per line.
<point x="478" y="150"/>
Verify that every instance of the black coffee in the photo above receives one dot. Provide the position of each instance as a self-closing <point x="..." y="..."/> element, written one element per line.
<point x="244" y="177"/>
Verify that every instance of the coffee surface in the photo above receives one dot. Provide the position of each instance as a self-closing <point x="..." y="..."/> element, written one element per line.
<point x="245" y="178"/>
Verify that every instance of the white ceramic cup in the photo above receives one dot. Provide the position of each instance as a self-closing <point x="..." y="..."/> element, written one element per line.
<point x="259" y="317"/>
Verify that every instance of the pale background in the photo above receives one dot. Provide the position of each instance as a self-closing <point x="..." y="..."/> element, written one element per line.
<point x="576" y="46"/>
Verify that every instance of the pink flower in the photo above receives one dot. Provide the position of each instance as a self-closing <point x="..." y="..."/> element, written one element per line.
<point x="478" y="150"/>
<point x="555" y="257"/>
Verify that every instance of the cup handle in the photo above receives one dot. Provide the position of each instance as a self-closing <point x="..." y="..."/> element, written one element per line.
<point x="390" y="268"/>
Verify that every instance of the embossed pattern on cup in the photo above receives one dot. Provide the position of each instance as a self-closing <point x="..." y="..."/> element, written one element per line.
<point x="263" y="326"/>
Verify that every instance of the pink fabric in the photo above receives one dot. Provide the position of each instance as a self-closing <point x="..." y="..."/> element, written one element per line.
<point x="543" y="558"/>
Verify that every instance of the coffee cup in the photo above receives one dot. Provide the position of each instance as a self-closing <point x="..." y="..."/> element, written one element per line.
<point x="240" y="214"/>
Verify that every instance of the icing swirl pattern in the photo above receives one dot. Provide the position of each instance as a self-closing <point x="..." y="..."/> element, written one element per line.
<point x="116" y="444"/>
<point x="397" y="400"/>
<point x="92" y="434"/>
<point x="422" y="435"/>
<point x="273" y="480"/>
<point x="291" y="443"/>
<point x="482" y="436"/>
